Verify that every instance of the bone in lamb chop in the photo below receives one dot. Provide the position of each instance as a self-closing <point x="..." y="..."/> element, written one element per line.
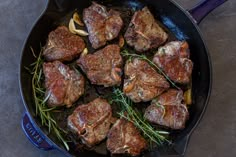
<point x="144" y="33"/>
<point x="91" y="122"/>
<point x="173" y="58"/>
<point x="63" y="85"/>
<point x="168" y="110"/>
<point x="103" y="67"/>
<point x="103" y="25"/>
<point x="142" y="82"/>
<point x="124" y="138"/>
<point x="62" y="45"/>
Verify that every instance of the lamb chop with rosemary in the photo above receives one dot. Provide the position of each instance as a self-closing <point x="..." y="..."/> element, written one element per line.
<point x="142" y="82"/>
<point x="168" y="110"/>
<point x="124" y="138"/>
<point x="173" y="59"/>
<point x="63" y="85"/>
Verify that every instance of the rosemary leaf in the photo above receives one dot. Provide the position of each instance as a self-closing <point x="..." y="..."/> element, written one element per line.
<point x="32" y="50"/>
<point x="39" y="75"/>
<point x="40" y="90"/>
<point x="48" y="109"/>
<point x="46" y="98"/>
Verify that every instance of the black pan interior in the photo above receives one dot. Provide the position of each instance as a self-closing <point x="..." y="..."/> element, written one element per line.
<point x="178" y="25"/>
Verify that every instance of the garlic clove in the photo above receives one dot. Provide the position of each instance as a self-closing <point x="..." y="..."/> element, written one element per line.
<point x="81" y="32"/>
<point x="77" y="19"/>
<point x="121" y="41"/>
<point x="73" y="29"/>
<point x="72" y="26"/>
<point x="85" y="52"/>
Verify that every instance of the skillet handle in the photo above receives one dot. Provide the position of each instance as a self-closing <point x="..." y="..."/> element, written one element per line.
<point x="34" y="135"/>
<point x="204" y="8"/>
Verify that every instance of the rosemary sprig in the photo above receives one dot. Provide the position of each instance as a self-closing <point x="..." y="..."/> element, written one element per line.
<point x="126" y="53"/>
<point x="137" y="119"/>
<point x="42" y="110"/>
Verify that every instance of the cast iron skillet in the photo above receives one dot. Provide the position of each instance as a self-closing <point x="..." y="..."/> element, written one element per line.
<point x="180" y="23"/>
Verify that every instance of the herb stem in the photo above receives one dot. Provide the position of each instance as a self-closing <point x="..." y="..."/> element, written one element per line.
<point x="38" y="91"/>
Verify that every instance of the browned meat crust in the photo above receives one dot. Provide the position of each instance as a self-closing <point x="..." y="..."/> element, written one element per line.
<point x="143" y="83"/>
<point x="124" y="138"/>
<point x="102" y="25"/>
<point x="173" y="58"/>
<point x="143" y="32"/>
<point x="103" y="67"/>
<point x="64" y="85"/>
<point x="92" y="121"/>
<point x="168" y="110"/>
<point x="62" y="45"/>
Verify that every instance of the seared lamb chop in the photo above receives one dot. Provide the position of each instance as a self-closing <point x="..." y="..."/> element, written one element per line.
<point x="102" y="25"/>
<point x="143" y="32"/>
<point x="142" y="82"/>
<point x="103" y="67"/>
<point x="92" y="121"/>
<point x="62" y="45"/>
<point x="173" y="58"/>
<point x="64" y="85"/>
<point x="168" y="110"/>
<point x="124" y="138"/>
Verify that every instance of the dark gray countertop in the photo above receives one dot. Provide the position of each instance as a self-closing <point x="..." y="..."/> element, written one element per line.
<point x="215" y="136"/>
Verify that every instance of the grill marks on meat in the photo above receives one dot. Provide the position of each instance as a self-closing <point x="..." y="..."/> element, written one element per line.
<point x="102" y="25"/>
<point x="143" y="83"/>
<point x="168" y="110"/>
<point x="173" y="58"/>
<point x="62" y="45"/>
<point x="143" y="32"/>
<point x="124" y="138"/>
<point x="92" y="121"/>
<point x="64" y="85"/>
<point x="103" y="67"/>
